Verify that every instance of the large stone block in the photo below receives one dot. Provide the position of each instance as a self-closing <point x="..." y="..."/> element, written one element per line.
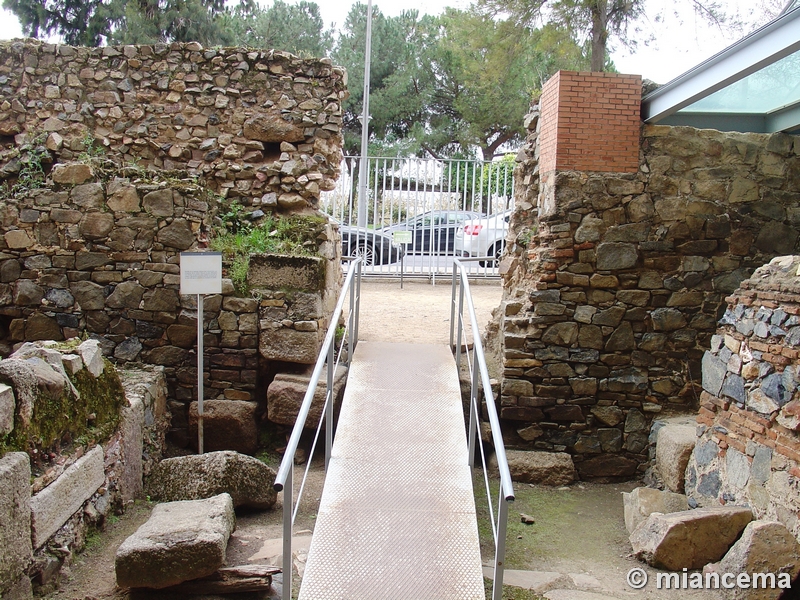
<point x="642" y="502"/>
<point x="765" y="547"/>
<point x="246" y="479"/>
<point x="290" y="345"/>
<point x="545" y="468"/>
<point x="132" y="427"/>
<point x="56" y="503"/>
<point x="689" y="539"/>
<point x="15" y="516"/>
<point x="8" y="405"/>
<point x="277" y="272"/>
<point x="180" y="541"/>
<point x="674" y="445"/>
<point x="227" y="425"/>
<point x="286" y="392"/>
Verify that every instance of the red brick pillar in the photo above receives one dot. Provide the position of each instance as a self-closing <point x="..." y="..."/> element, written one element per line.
<point x="589" y="122"/>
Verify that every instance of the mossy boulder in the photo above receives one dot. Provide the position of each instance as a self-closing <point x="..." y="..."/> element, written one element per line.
<point x="246" y="479"/>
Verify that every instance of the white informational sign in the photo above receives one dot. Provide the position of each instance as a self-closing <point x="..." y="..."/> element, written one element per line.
<point x="402" y="237"/>
<point x="201" y="273"/>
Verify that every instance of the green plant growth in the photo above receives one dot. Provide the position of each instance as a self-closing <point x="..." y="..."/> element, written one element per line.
<point x="292" y="236"/>
<point x="88" y="419"/>
<point x="91" y="149"/>
<point x="33" y="155"/>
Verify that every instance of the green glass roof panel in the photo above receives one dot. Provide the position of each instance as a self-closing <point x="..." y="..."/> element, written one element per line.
<point x="769" y="89"/>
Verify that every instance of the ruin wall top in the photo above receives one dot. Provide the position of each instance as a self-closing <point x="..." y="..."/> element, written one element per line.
<point x="259" y="125"/>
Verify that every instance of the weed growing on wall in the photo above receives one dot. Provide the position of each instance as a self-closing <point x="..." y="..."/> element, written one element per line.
<point x="29" y="167"/>
<point x="292" y="236"/>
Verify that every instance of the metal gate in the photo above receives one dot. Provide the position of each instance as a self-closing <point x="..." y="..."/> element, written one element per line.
<point x="421" y="213"/>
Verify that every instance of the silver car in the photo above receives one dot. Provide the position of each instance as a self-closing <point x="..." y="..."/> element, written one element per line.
<point x="483" y="237"/>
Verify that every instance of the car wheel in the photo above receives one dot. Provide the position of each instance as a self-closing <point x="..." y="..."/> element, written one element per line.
<point x="366" y="252"/>
<point x="497" y="252"/>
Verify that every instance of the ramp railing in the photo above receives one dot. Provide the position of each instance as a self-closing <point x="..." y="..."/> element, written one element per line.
<point x="479" y="377"/>
<point x="329" y="357"/>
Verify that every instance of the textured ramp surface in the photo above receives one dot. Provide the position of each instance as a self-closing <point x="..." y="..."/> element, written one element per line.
<point x="397" y="515"/>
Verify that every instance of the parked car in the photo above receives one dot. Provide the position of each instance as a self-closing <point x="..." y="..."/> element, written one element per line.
<point x="375" y="247"/>
<point x="433" y="231"/>
<point x="483" y="237"/>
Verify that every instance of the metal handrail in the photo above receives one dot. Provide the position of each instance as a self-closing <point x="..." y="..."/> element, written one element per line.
<point x="283" y="479"/>
<point x="478" y="369"/>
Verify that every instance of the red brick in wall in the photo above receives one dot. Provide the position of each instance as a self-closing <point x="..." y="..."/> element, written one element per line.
<point x="590" y="122"/>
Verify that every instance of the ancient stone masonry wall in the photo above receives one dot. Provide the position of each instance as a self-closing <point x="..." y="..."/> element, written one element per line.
<point x="262" y="126"/>
<point x="612" y="297"/>
<point x="748" y="448"/>
<point x="141" y="149"/>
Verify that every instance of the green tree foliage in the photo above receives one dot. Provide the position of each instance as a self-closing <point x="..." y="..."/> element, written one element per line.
<point x="484" y="74"/>
<point x="297" y="28"/>
<point x="152" y="21"/>
<point x="598" y="21"/>
<point x="94" y="22"/>
<point x="392" y="49"/>
<point x="450" y="84"/>
<point x="78" y="22"/>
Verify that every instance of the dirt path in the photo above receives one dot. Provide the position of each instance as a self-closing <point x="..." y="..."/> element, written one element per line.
<point x="419" y="312"/>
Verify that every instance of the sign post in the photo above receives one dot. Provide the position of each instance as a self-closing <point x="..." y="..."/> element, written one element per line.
<point x="402" y="238"/>
<point x="201" y="273"/>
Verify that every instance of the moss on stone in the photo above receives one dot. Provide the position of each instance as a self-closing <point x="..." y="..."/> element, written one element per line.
<point x="67" y="418"/>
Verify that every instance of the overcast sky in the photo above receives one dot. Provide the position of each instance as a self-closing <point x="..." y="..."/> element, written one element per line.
<point x="679" y="43"/>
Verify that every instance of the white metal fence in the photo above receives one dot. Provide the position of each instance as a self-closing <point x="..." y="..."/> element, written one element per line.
<point x="421" y="213"/>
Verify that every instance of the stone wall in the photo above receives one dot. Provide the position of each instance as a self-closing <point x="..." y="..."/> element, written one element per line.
<point x="116" y="159"/>
<point x="748" y="449"/>
<point x="612" y="297"/>
<point x="261" y="126"/>
<point x="49" y="501"/>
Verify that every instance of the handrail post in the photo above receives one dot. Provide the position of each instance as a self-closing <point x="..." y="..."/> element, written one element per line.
<point x="453" y="306"/>
<point x="500" y="549"/>
<point x="352" y="318"/>
<point x="460" y="323"/>
<point x="358" y="304"/>
<point x="288" y="491"/>
<point x="329" y="406"/>
<point x="474" y="409"/>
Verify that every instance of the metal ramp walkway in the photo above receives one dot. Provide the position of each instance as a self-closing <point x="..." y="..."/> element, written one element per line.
<point x="397" y="515"/>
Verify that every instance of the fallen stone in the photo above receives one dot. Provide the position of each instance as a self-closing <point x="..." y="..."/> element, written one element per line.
<point x="286" y="392"/>
<point x="8" y="405"/>
<point x="544" y="468"/>
<point x="15" y="515"/>
<point x="642" y="502"/>
<point x="56" y="503"/>
<point x="582" y="580"/>
<point x="536" y="581"/>
<point x="689" y="539"/>
<point x="674" y="446"/>
<point x="765" y="547"/>
<point x="227" y="425"/>
<point x="247" y="480"/>
<point x="180" y="541"/>
<point x="92" y="357"/>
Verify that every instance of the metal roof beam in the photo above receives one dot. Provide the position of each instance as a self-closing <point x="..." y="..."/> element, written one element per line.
<point x="774" y="41"/>
<point x="786" y="119"/>
<point x="743" y="123"/>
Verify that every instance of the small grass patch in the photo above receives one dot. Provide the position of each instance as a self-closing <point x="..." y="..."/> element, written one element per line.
<point x="292" y="236"/>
